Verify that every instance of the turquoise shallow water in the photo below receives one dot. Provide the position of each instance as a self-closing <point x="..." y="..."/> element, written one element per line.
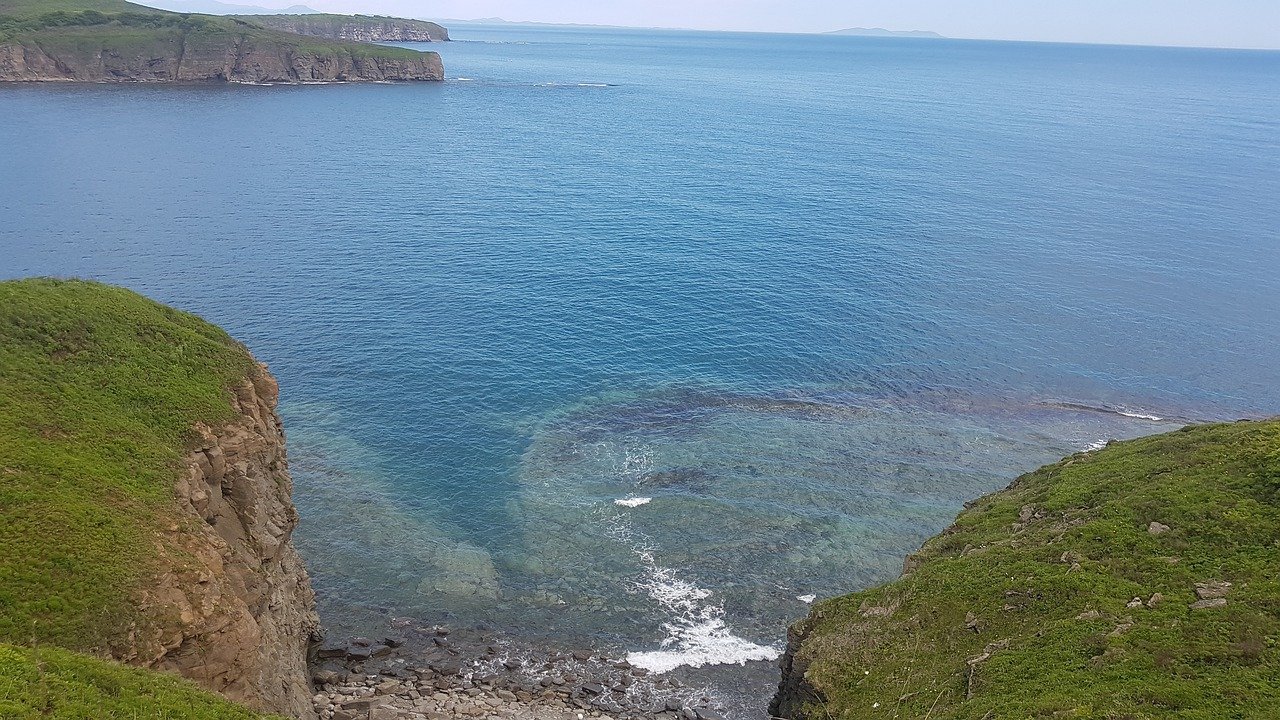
<point x="793" y="299"/>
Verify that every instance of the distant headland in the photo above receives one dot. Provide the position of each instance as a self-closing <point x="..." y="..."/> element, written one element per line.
<point x="881" y="32"/>
<point x="112" y="41"/>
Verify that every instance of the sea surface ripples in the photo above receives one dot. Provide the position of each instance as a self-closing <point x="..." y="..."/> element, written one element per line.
<point x="645" y="339"/>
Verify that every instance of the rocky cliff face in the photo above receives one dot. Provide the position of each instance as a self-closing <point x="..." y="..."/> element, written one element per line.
<point x="232" y="608"/>
<point x="190" y="58"/>
<point x="360" y="28"/>
<point x="794" y="690"/>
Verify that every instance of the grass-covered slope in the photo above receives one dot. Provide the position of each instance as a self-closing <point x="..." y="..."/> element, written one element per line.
<point x="99" y="391"/>
<point x="101" y="388"/>
<point x="116" y="41"/>
<point x="35" y="8"/>
<point x="1138" y="581"/>
<point x="53" y="684"/>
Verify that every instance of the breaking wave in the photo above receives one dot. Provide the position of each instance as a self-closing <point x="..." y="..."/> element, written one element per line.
<point x="696" y="632"/>
<point x="1108" y="410"/>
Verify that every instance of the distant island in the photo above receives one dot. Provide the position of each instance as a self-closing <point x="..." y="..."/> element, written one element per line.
<point x="881" y="32"/>
<point x="112" y="41"/>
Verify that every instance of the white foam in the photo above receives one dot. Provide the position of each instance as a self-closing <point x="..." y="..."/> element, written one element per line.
<point x="581" y="85"/>
<point x="1098" y="445"/>
<point x="715" y="646"/>
<point x="1110" y="409"/>
<point x="633" y="502"/>
<point x="696" y="633"/>
<point x="1140" y="416"/>
<point x="636" y="462"/>
<point x="806" y="599"/>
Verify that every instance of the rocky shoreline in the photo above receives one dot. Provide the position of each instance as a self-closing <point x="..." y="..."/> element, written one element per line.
<point x="420" y="672"/>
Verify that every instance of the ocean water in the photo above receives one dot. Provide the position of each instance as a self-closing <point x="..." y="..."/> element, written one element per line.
<point x="642" y="339"/>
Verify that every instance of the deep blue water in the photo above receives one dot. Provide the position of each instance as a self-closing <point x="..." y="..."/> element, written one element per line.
<point x="808" y="294"/>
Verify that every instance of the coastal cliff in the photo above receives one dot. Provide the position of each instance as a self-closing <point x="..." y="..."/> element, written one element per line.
<point x="1139" y="580"/>
<point x="137" y="44"/>
<point x="238" y="61"/>
<point x="233" y="608"/>
<point x="147" y="514"/>
<point x="360" y="28"/>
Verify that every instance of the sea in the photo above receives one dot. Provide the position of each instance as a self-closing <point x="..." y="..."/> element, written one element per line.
<point x="644" y="340"/>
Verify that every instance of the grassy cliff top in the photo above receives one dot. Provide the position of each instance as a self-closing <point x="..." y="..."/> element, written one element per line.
<point x="437" y="31"/>
<point x="127" y="26"/>
<point x="48" y="683"/>
<point x="101" y="389"/>
<point x="1138" y="581"/>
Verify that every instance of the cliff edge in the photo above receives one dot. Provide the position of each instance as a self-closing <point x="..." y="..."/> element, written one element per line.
<point x="146" y="514"/>
<point x="1141" y="580"/>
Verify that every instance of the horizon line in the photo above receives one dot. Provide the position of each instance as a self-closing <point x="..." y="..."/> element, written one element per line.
<point x="835" y="33"/>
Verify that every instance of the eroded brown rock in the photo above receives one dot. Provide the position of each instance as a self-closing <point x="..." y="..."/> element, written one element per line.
<point x="232" y="607"/>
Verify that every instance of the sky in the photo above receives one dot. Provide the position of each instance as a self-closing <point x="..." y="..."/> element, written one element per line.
<point x="1210" y="23"/>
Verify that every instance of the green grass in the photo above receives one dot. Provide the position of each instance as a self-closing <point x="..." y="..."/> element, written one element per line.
<point x="88" y="31"/>
<point x="101" y="388"/>
<point x="33" y="8"/>
<point x="53" y="684"/>
<point x="89" y="26"/>
<point x="1055" y="590"/>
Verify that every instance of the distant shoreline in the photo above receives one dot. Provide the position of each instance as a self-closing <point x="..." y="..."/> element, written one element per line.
<point x="881" y="32"/>
<point x="860" y="32"/>
<point x="498" y="22"/>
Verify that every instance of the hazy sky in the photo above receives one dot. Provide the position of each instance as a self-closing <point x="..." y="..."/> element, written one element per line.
<point x="1217" y="23"/>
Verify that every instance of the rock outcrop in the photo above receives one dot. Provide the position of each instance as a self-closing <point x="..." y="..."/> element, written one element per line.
<point x="232" y="608"/>
<point x="795" y="692"/>
<point x="361" y="28"/>
<point x="194" y="58"/>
